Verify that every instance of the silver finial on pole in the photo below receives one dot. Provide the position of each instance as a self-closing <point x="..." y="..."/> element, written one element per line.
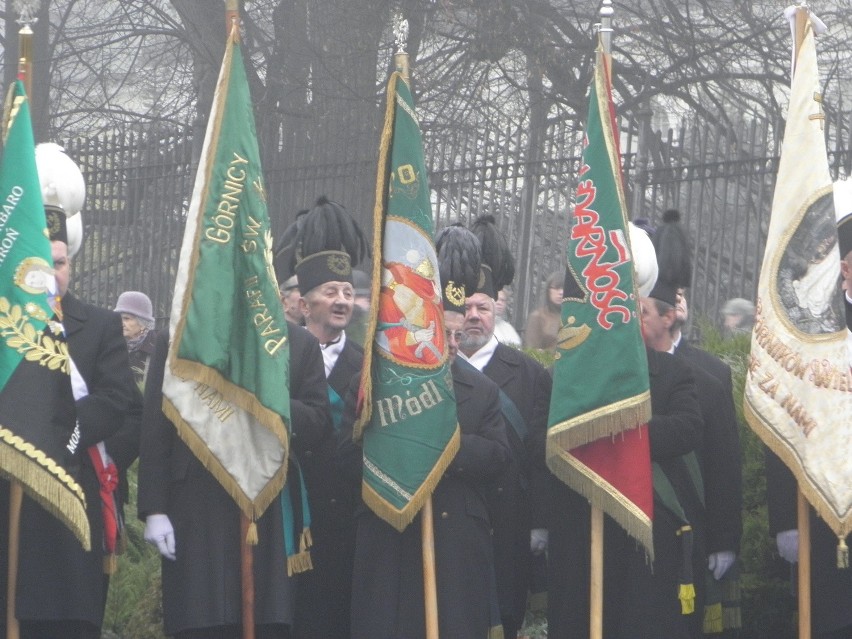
<point x="400" y="36"/>
<point x="606" y="25"/>
<point x="27" y="11"/>
<point x="400" y="33"/>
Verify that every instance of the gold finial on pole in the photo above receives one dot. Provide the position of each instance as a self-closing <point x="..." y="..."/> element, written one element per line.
<point x="27" y="11"/>
<point x="400" y="36"/>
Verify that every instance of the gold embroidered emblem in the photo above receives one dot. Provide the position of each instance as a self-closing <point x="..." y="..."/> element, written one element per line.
<point x="454" y="294"/>
<point x="21" y="335"/>
<point x="570" y="336"/>
<point x="33" y="275"/>
<point x="339" y="264"/>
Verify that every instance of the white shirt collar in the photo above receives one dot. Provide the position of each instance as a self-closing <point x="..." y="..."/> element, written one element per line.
<point x="330" y="353"/>
<point x="480" y="358"/>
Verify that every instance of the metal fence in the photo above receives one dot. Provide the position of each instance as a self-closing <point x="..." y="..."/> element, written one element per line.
<point x="139" y="185"/>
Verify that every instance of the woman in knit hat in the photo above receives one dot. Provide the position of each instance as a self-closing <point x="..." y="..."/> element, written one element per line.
<point x="137" y="323"/>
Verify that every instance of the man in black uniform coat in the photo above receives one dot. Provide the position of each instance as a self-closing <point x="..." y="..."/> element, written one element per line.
<point x="199" y="523"/>
<point x="327" y="303"/>
<point x="519" y="519"/>
<point x="387" y="596"/>
<point x="62" y="588"/>
<point x="640" y="599"/>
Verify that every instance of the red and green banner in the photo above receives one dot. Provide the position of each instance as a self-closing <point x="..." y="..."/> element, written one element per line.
<point x="407" y="407"/>
<point x="227" y="374"/>
<point x="37" y="416"/>
<point x="597" y="442"/>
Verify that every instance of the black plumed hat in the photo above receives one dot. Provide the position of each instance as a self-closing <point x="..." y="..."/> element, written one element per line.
<point x="459" y="261"/>
<point x="674" y="258"/>
<point x="284" y="249"/>
<point x="328" y="244"/>
<point x="498" y="264"/>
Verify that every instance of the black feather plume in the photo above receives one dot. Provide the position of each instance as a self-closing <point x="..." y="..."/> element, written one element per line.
<point x="459" y="257"/>
<point x="674" y="253"/>
<point x="329" y="227"/>
<point x="495" y="250"/>
<point x="284" y="248"/>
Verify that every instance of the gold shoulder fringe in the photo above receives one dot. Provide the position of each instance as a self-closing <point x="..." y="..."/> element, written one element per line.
<point x="46" y="482"/>
<point x="400" y="519"/>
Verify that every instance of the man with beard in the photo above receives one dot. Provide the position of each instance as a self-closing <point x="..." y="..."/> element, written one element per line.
<point x="519" y="514"/>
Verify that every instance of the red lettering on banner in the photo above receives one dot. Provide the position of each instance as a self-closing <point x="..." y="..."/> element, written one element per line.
<point x="601" y="278"/>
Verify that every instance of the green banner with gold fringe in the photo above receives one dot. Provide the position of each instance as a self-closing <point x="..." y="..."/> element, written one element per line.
<point x="407" y="410"/>
<point x="37" y="417"/>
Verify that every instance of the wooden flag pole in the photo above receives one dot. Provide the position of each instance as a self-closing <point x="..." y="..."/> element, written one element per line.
<point x="804" y="524"/>
<point x="430" y="590"/>
<point x="16" y="498"/>
<point x="597" y="540"/>
<point x="232" y="17"/>
<point x="596" y="576"/>
<point x="246" y="578"/>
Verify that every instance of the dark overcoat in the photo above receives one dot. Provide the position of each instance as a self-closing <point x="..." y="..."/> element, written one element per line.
<point x="387" y="597"/>
<point x="57" y="579"/>
<point x="640" y="602"/>
<point x="831" y="587"/>
<point x="332" y="501"/>
<point x="201" y="588"/>
<point x="519" y="503"/>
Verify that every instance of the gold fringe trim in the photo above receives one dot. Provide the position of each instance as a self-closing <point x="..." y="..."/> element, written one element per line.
<point x="841" y="526"/>
<point x="251" y="534"/>
<point x="496" y="632"/>
<point x="842" y="553"/>
<point x="400" y="519"/>
<point x="234" y="393"/>
<point x="604" y="421"/>
<point x="300" y="562"/>
<point x="46" y="482"/>
<point x="686" y="594"/>
<point x="601" y="494"/>
<point x="306" y="540"/>
<point x="110" y="564"/>
<point x="713" y="623"/>
<point x="252" y="509"/>
<point x="366" y="386"/>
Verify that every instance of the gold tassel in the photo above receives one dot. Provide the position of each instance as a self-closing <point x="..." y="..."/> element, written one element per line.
<point x="110" y="564"/>
<point x="305" y="540"/>
<point x="496" y="632"/>
<point x="300" y="562"/>
<point x="686" y="594"/>
<point x="842" y="553"/>
<point x="713" y="619"/>
<point x="251" y="534"/>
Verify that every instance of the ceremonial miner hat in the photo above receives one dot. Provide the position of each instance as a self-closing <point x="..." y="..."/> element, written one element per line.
<point x="63" y="191"/>
<point x="459" y="263"/>
<point x="644" y="259"/>
<point x="498" y="264"/>
<point x="843" y="213"/>
<point x="328" y="244"/>
<point x="674" y="259"/>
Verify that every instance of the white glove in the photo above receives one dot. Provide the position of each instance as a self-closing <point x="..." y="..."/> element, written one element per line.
<point x="719" y="562"/>
<point x="788" y="545"/>
<point x="538" y="540"/>
<point x="159" y="532"/>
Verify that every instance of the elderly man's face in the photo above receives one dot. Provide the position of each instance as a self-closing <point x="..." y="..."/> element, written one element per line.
<point x="61" y="266"/>
<point x="479" y="318"/>
<point x="328" y="308"/>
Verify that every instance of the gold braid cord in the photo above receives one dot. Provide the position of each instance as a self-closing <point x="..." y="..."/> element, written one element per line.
<point x="22" y="336"/>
